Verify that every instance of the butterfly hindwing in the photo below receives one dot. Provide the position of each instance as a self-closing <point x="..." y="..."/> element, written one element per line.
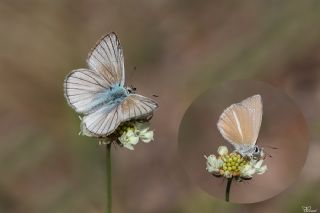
<point x="137" y="106"/>
<point x="105" y="121"/>
<point x="102" y="122"/>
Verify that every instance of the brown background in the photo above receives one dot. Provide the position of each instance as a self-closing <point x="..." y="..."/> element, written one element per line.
<point x="180" y="49"/>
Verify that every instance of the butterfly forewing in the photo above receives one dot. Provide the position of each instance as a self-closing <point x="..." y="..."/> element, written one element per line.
<point x="106" y="58"/>
<point x="240" y="123"/>
<point x="82" y="88"/>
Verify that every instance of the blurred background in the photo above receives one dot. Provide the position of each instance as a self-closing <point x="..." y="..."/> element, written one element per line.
<point x="175" y="49"/>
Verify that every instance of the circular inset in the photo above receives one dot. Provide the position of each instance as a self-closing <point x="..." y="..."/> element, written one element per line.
<point x="283" y="127"/>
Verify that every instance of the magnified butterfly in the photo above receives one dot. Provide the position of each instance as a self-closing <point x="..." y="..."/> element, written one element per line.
<point x="240" y="124"/>
<point x="99" y="92"/>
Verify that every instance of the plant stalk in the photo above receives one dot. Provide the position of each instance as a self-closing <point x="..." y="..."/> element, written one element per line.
<point x="108" y="178"/>
<point x="228" y="188"/>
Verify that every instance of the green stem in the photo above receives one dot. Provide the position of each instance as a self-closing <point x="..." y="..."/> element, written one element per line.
<point x="109" y="179"/>
<point x="228" y="188"/>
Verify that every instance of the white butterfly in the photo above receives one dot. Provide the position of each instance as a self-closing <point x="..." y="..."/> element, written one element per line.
<point x="240" y="124"/>
<point x="99" y="92"/>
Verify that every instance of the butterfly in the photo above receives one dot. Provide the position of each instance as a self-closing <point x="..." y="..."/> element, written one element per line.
<point x="240" y="124"/>
<point x="99" y="94"/>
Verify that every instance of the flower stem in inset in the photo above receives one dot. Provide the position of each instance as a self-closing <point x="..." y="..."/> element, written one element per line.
<point x="109" y="178"/>
<point x="228" y="188"/>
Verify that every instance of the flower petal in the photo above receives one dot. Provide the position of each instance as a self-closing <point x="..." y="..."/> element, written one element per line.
<point x="213" y="164"/>
<point x="247" y="171"/>
<point x="258" y="164"/>
<point x="128" y="139"/>
<point x="147" y="136"/>
<point x="128" y="146"/>
<point x="222" y="150"/>
<point x="262" y="170"/>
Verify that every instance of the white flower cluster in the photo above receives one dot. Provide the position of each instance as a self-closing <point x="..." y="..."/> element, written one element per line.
<point x="131" y="137"/>
<point x="233" y="165"/>
<point x="253" y="167"/>
<point x="213" y="164"/>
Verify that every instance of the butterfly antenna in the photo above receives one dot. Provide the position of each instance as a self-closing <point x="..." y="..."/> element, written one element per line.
<point x="131" y="73"/>
<point x="271" y="147"/>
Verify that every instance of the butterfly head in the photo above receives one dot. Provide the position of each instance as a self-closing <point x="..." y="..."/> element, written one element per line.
<point x="258" y="153"/>
<point x="131" y="89"/>
<point x="251" y="152"/>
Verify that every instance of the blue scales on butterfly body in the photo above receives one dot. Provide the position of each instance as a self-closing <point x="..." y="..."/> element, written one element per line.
<point x="109" y="98"/>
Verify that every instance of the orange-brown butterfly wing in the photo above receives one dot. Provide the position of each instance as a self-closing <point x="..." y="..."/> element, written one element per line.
<point x="240" y="123"/>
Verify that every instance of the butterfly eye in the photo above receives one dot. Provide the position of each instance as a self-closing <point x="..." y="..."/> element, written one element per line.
<point x="256" y="149"/>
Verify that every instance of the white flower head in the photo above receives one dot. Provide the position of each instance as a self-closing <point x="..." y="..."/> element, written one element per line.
<point x="247" y="171"/>
<point x="143" y="132"/>
<point x="222" y="150"/>
<point x="213" y="164"/>
<point x="128" y="139"/>
<point x="259" y="168"/>
<point x="253" y="167"/>
<point x="234" y="165"/>
<point x="146" y="136"/>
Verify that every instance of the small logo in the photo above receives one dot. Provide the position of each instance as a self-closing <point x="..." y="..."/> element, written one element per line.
<point x="308" y="209"/>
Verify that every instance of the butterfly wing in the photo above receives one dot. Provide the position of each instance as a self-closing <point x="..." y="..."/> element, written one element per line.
<point x="255" y="106"/>
<point x="106" y="58"/>
<point x="102" y="122"/>
<point x="240" y="123"/>
<point x="83" y="89"/>
<point x="105" y="121"/>
<point x="137" y="106"/>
